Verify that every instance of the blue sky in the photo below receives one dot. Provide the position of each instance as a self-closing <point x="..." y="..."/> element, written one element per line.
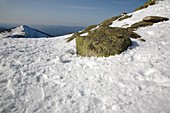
<point x="63" y="12"/>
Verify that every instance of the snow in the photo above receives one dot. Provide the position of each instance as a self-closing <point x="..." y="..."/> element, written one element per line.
<point x="46" y="75"/>
<point x="24" y="31"/>
<point x="84" y="34"/>
<point x="95" y="28"/>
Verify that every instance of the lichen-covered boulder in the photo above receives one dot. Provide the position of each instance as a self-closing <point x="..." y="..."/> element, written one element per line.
<point x="154" y="19"/>
<point x="104" y="41"/>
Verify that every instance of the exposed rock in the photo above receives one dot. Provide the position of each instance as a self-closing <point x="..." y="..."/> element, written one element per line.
<point x="108" y="22"/>
<point x="146" y="4"/>
<point x="124" y="17"/>
<point x="147" y="21"/>
<point x="73" y="37"/>
<point x="154" y="19"/>
<point x="88" y="29"/>
<point x="103" y="41"/>
<point x="124" y="13"/>
<point x="139" y="24"/>
<point x="141" y="39"/>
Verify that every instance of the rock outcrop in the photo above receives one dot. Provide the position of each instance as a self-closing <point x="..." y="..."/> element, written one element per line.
<point x="154" y="19"/>
<point x="147" y="21"/>
<point x="103" y="42"/>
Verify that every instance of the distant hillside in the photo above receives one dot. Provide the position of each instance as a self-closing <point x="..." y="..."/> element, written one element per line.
<point x="54" y="30"/>
<point x="59" y="30"/>
<point x="2" y="29"/>
<point x="23" y="31"/>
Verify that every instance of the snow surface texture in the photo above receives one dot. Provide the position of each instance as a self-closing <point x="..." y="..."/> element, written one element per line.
<point x="24" y="31"/>
<point x="46" y="76"/>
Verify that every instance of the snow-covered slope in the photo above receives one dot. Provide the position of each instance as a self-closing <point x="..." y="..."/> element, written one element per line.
<point x="23" y="31"/>
<point x="46" y="76"/>
<point x="154" y="10"/>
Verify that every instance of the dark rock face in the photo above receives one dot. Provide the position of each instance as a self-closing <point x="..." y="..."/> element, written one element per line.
<point x="124" y="17"/>
<point x="154" y="19"/>
<point x="103" y="42"/>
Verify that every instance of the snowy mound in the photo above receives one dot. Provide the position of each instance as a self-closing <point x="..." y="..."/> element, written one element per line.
<point x="46" y="76"/>
<point x="24" y="31"/>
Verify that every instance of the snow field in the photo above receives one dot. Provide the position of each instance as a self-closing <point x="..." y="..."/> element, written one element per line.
<point x="46" y="75"/>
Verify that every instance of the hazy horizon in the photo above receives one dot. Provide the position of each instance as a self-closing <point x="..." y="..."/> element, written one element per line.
<point x="54" y="30"/>
<point x="64" y="13"/>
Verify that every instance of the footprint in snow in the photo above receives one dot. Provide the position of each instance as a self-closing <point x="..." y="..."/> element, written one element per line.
<point x="67" y="57"/>
<point x="157" y="76"/>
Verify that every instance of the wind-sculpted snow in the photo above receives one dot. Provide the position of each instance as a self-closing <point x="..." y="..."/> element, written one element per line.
<point x="46" y="76"/>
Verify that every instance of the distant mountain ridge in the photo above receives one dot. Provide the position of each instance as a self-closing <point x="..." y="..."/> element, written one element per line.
<point x="54" y="30"/>
<point x="2" y="29"/>
<point x="23" y="31"/>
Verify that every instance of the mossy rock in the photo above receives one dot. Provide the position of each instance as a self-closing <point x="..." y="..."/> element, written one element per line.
<point x="154" y="19"/>
<point x="139" y="24"/>
<point x="146" y="4"/>
<point x="147" y="21"/>
<point x="88" y="29"/>
<point x="124" y="17"/>
<point x="73" y="37"/>
<point x="108" y="22"/>
<point x="149" y="3"/>
<point x="103" y="41"/>
<point x="124" y="32"/>
<point x="139" y="8"/>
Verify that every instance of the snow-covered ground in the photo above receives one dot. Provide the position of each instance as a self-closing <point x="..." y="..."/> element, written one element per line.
<point x="46" y="76"/>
